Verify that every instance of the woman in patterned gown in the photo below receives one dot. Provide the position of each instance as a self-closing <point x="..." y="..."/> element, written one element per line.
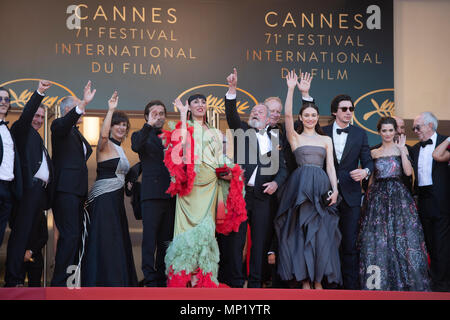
<point x="392" y="247"/>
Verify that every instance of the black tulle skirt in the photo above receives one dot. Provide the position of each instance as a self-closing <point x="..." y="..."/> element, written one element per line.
<point x="108" y="257"/>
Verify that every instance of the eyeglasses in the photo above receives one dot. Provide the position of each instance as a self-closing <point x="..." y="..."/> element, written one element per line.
<point x="344" y="109"/>
<point x="6" y="99"/>
<point x="416" y="127"/>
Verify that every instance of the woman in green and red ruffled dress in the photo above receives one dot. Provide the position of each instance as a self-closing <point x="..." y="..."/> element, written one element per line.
<point x="209" y="193"/>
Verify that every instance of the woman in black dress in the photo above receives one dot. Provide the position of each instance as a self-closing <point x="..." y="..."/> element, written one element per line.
<point x="392" y="246"/>
<point x="107" y="258"/>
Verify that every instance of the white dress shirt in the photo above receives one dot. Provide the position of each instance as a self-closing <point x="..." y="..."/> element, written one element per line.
<point x="7" y="163"/>
<point x="339" y="141"/>
<point x="264" y="142"/>
<point x="265" y="145"/>
<point x="77" y="110"/>
<point x="425" y="163"/>
<point x="43" y="173"/>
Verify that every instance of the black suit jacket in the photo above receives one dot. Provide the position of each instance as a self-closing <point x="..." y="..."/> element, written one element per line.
<point x="69" y="160"/>
<point x="31" y="146"/>
<point x="441" y="178"/>
<point x="234" y="122"/>
<point x="356" y="151"/>
<point x="155" y="176"/>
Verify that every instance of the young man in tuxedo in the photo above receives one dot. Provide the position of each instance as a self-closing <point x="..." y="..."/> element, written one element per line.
<point x="260" y="183"/>
<point x="37" y="171"/>
<point x="351" y="148"/>
<point x="10" y="171"/>
<point x="70" y="154"/>
<point x="158" y="207"/>
<point x="432" y="185"/>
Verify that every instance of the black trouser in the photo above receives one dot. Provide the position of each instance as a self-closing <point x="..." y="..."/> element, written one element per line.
<point x="6" y="205"/>
<point x="158" y="217"/>
<point x="68" y="214"/>
<point x="349" y="227"/>
<point x="260" y="219"/>
<point x="436" y="228"/>
<point x="231" y="246"/>
<point x="33" y="269"/>
<point x="29" y="209"/>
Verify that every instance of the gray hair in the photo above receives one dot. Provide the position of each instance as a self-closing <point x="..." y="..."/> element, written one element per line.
<point x="66" y="102"/>
<point x="429" y="117"/>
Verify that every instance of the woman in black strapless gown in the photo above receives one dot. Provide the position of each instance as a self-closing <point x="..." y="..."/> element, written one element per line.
<point x="107" y="257"/>
<point x="307" y="230"/>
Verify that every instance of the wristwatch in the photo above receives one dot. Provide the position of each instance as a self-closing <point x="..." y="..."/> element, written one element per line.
<point x="368" y="172"/>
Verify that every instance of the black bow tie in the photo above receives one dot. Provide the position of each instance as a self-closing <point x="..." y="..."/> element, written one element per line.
<point x="4" y="122"/>
<point x="339" y="131"/>
<point x="423" y="144"/>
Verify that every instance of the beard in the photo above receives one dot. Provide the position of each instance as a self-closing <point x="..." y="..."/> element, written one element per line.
<point x="255" y="123"/>
<point x="158" y="124"/>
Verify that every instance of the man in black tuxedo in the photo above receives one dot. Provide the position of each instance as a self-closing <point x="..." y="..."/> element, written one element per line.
<point x="70" y="154"/>
<point x="351" y="148"/>
<point x="10" y="171"/>
<point x="37" y="175"/>
<point x="265" y="170"/>
<point x="432" y="184"/>
<point x="158" y="207"/>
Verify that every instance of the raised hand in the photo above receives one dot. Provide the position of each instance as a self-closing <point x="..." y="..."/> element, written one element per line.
<point x="232" y="79"/>
<point x="88" y="93"/>
<point x="291" y="79"/>
<point x="232" y="82"/>
<point x="44" y="85"/>
<point x="305" y="83"/>
<point x="112" y="103"/>
<point x="182" y="108"/>
<point x="401" y="143"/>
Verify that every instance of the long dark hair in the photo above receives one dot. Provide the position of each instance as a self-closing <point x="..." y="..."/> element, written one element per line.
<point x="317" y="128"/>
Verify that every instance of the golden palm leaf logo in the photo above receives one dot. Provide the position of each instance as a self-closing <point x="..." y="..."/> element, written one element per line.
<point x="218" y="103"/>
<point x="385" y="110"/>
<point x="371" y="107"/>
<point x="20" y="99"/>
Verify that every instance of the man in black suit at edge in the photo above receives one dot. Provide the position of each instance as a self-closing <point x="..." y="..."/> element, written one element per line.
<point x="432" y="185"/>
<point x="37" y="173"/>
<point x="260" y="183"/>
<point x="351" y="148"/>
<point x="158" y="207"/>
<point x="70" y="154"/>
<point x="10" y="171"/>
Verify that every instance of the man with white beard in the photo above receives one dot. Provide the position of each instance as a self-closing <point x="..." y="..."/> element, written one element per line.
<point x="257" y="151"/>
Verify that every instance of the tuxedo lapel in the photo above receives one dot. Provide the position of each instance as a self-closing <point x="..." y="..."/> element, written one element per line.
<point x="439" y="140"/>
<point x="348" y="143"/>
<point x="82" y="141"/>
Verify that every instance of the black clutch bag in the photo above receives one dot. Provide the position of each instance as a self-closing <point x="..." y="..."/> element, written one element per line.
<point x="323" y="198"/>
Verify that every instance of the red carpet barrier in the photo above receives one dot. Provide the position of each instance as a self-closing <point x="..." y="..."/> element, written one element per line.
<point x="209" y="294"/>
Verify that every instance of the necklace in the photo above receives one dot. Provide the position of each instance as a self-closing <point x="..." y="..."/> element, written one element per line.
<point x="309" y="135"/>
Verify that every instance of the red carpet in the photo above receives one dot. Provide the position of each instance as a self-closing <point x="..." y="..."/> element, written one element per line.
<point x="209" y="294"/>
